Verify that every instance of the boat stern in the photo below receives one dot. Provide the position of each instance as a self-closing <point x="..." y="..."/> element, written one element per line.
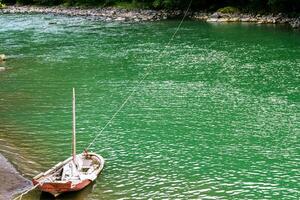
<point x="54" y="188"/>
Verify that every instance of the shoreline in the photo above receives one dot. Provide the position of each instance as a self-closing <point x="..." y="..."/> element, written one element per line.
<point x="14" y="182"/>
<point x="140" y="15"/>
<point x="249" y="18"/>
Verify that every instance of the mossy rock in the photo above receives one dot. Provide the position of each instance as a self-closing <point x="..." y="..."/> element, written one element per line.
<point x="228" y="10"/>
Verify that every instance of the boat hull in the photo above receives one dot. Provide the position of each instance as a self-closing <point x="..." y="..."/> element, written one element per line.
<point x="58" y="188"/>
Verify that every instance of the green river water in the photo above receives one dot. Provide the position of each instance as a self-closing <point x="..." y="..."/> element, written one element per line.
<point x="217" y="117"/>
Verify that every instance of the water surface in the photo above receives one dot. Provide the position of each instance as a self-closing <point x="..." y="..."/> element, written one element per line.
<point x="217" y="117"/>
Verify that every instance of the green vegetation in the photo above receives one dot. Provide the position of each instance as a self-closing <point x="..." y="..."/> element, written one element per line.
<point x="2" y="5"/>
<point x="228" y="6"/>
<point x="132" y="5"/>
<point x="229" y="10"/>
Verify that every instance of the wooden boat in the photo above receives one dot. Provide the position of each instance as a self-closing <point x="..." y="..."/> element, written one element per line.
<point x="74" y="173"/>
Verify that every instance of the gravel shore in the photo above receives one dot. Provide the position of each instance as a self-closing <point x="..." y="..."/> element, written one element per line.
<point x="251" y="18"/>
<point x="105" y="14"/>
<point x="11" y="182"/>
<point x="137" y="15"/>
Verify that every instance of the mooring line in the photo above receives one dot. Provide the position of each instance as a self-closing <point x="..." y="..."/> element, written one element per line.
<point x="143" y="77"/>
<point x="20" y="196"/>
<point x="25" y="192"/>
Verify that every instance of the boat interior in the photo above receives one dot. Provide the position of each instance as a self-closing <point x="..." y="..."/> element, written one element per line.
<point x="83" y="166"/>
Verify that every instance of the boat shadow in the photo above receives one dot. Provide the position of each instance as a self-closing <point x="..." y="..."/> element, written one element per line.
<point x="79" y="195"/>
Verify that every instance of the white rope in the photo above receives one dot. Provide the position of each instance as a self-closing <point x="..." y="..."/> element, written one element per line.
<point x="26" y="191"/>
<point x="142" y="79"/>
<point x="32" y="188"/>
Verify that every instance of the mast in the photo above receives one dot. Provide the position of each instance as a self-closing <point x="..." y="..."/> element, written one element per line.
<point x="74" y="129"/>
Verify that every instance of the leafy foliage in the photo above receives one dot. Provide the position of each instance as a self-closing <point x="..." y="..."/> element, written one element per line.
<point x="48" y="2"/>
<point x="2" y="5"/>
<point x="229" y="10"/>
<point x="132" y="5"/>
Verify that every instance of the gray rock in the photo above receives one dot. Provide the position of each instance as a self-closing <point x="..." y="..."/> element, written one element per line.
<point x="120" y="19"/>
<point x="2" y="57"/>
<point x="295" y="23"/>
<point x="212" y="20"/>
<point x="245" y="19"/>
<point x="223" y="19"/>
<point x="215" y="15"/>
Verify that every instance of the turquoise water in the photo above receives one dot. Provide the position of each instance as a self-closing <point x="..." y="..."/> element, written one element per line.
<point x="217" y="117"/>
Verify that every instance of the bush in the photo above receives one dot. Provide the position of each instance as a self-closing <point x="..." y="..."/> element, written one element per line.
<point x="166" y="4"/>
<point x="24" y="2"/>
<point x="132" y="5"/>
<point x="2" y="5"/>
<point x="48" y="2"/>
<point x="228" y="10"/>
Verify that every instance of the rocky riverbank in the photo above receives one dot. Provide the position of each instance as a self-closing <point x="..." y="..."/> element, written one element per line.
<point x="11" y="181"/>
<point x="116" y="14"/>
<point x="252" y="18"/>
<point x="105" y="14"/>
